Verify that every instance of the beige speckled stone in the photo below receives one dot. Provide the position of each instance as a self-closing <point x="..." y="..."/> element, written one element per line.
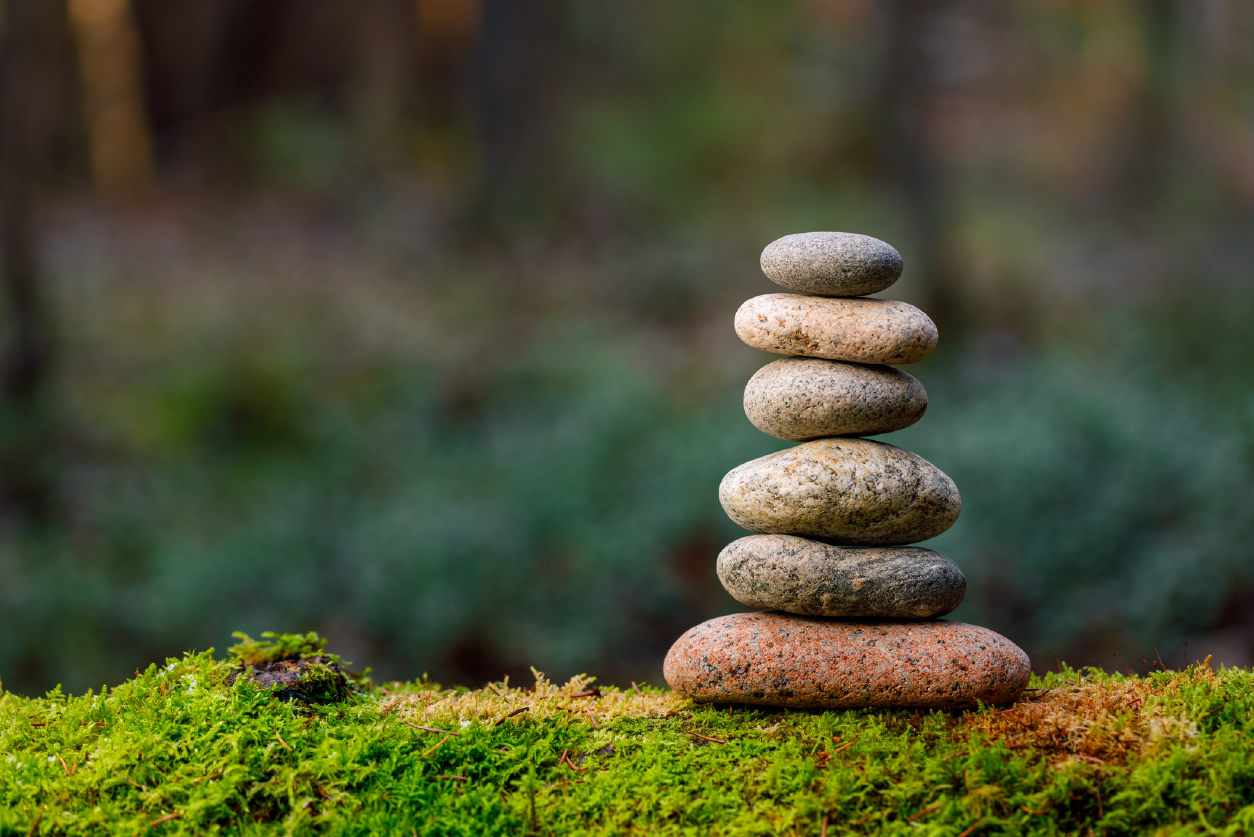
<point x="858" y="330"/>
<point x="831" y="263"/>
<point x="800" y="398"/>
<point x="851" y="492"/>
<point x="797" y="575"/>
<point x="804" y="662"/>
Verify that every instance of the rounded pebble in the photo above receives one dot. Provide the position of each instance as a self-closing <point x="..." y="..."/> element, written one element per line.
<point x="800" y="398"/>
<point x="851" y="492"/>
<point x="804" y="662"/>
<point x="858" y="330"/>
<point x="831" y="263"/>
<point x="797" y="575"/>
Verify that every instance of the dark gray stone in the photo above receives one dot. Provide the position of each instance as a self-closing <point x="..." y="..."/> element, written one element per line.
<point x="783" y="572"/>
<point x="801" y="398"/>
<point x="831" y="263"/>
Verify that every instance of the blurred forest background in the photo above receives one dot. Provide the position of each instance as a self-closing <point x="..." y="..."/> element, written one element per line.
<point x="410" y="322"/>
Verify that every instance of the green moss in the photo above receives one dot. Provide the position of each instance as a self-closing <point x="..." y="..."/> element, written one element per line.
<point x="178" y="750"/>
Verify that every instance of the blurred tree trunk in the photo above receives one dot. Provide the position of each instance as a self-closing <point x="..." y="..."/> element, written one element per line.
<point x="381" y="85"/>
<point x="909" y="165"/>
<point x="515" y="59"/>
<point x="1144" y="168"/>
<point x="25" y="434"/>
<point x="118" y="137"/>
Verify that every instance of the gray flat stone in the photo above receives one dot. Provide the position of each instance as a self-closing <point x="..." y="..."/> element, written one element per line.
<point x="850" y="492"/>
<point x="857" y="330"/>
<point x="784" y="572"/>
<point x="800" y="398"/>
<point x="831" y="263"/>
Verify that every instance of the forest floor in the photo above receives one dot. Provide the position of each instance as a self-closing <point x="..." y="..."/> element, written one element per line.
<point x="192" y="747"/>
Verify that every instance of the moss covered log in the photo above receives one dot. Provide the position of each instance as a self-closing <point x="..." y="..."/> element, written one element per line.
<point x="199" y="745"/>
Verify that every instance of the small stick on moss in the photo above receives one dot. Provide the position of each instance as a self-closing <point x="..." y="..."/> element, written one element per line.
<point x="206" y="778"/>
<point x="166" y="818"/>
<point x="844" y="746"/>
<point x="436" y="747"/>
<point x="1028" y="810"/>
<point x="869" y="816"/>
<point x="1093" y="759"/>
<point x="93" y="724"/>
<point x="35" y="824"/>
<point x="432" y="729"/>
<point x="39" y="723"/>
<point x="281" y="741"/>
<point x="969" y="830"/>
<point x="129" y="782"/>
<point x="312" y="718"/>
<point x="956" y="755"/>
<point x="708" y="738"/>
<point x="929" y="809"/>
<point x="507" y="715"/>
<point x="592" y="718"/>
<point x="823" y="829"/>
<point x="64" y="766"/>
<point x="596" y="692"/>
<point x="1098" y="791"/>
<point x="569" y="763"/>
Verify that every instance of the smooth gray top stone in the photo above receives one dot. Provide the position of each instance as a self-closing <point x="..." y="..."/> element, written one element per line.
<point x="850" y="492"/>
<point x="831" y="263"/>
<point x="796" y="575"/>
<point x="858" y="330"/>
<point x="800" y="398"/>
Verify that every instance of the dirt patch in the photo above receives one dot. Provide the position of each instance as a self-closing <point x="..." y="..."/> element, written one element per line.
<point x="315" y="679"/>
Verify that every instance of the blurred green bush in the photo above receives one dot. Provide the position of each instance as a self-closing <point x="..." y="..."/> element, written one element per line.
<point x="558" y="508"/>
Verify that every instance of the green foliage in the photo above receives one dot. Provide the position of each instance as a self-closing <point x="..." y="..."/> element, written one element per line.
<point x="177" y="750"/>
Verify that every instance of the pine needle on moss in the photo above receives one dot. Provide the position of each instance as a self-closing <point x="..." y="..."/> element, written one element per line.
<point x="183" y="749"/>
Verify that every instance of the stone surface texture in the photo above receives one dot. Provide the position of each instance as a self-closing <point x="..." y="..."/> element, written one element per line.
<point x="858" y="330"/>
<point x="781" y="659"/>
<point x="831" y="263"/>
<point x="797" y="575"/>
<point x="800" y="398"/>
<point x="850" y="492"/>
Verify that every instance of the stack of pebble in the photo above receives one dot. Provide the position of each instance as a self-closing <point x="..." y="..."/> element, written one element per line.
<point x="844" y="627"/>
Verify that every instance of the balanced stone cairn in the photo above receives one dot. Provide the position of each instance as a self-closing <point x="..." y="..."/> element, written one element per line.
<point x="851" y="611"/>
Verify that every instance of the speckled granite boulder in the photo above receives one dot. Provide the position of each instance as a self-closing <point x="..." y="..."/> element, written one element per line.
<point x="797" y="575"/>
<point x="831" y="263"/>
<point x="851" y="492"/>
<point x="800" y="398"/>
<point x="780" y="659"/>
<point x="859" y="330"/>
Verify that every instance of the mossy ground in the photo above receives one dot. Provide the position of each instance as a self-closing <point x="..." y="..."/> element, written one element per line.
<point x="178" y="751"/>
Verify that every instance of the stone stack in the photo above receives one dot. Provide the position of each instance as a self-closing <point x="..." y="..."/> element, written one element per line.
<point x="851" y="610"/>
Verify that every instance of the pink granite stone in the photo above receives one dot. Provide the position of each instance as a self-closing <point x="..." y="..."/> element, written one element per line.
<point x="806" y="662"/>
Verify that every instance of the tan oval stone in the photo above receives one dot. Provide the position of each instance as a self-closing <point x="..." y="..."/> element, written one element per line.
<point x="831" y="263"/>
<point x="800" y="398"/>
<point x="859" y="330"/>
<point x="798" y="575"/>
<point x="804" y="662"/>
<point x="850" y="492"/>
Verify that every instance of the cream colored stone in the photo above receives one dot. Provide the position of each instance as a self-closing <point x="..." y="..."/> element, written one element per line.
<point x="859" y="330"/>
<point x="850" y="492"/>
